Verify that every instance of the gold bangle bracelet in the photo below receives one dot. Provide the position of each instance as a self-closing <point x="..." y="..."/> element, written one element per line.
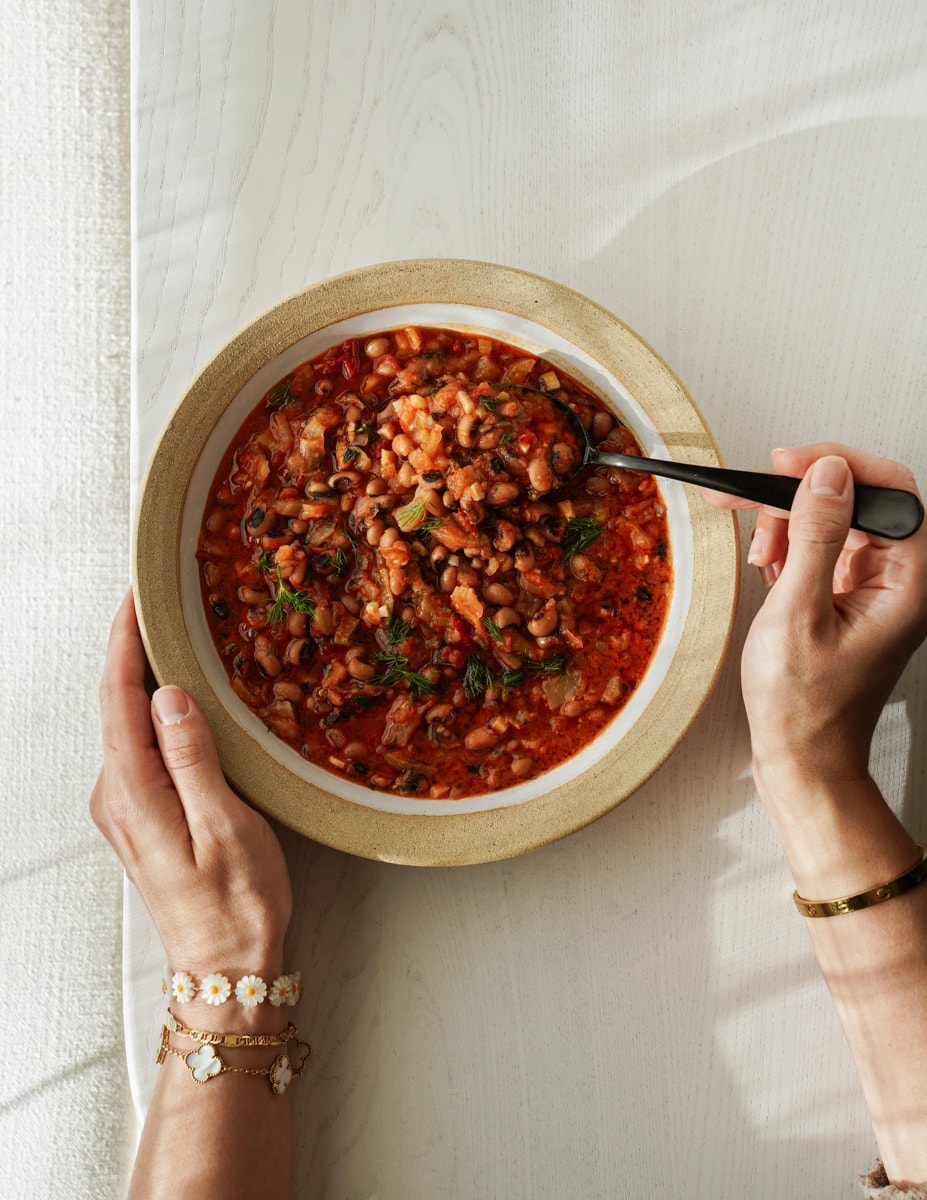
<point x="210" y="1038"/>
<point x="877" y="895"/>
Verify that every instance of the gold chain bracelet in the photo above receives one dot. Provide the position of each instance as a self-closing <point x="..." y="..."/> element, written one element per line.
<point x="204" y="1063"/>
<point x="210" y="1038"/>
<point x="877" y="895"/>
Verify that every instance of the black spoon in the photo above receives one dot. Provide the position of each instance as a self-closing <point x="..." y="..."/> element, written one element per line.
<point x="886" y="512"/>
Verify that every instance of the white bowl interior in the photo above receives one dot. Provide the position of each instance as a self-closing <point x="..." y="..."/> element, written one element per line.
<point x="534" y="339"/>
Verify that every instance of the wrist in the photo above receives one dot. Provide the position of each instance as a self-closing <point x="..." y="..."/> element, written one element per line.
<point x="839" y="835"/>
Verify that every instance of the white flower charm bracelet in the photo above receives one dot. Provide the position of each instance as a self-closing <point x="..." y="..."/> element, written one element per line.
<point x="205" y="1063"/>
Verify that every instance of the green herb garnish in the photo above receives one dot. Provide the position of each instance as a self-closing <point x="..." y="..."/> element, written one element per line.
<point x="410" y="517"/>
<point x="430" y="525"/>
<point x="411" y="781"/>
<point x="266" y="561"/>
<point x="397" y="630"/>
<point x="512" y="678"/>
<point x="477" y="677"/>
<point x="286" y="599"/>
<point x="490" y="403"/>
<point x="350" y="453"/>
<point x="555" y="665"/>
<point x="281" y="396"/>
<point x="341" y="561"/>
<point x="397" y="671"/>
<point x="493" y="629"/>
<point x="579" y="533"/>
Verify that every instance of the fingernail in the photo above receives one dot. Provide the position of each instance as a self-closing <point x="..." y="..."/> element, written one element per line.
<point x="770" y="574"/>
<point x="758" y="546"/>
<point x="829" y="477"/>
<point x="170" y="705"/>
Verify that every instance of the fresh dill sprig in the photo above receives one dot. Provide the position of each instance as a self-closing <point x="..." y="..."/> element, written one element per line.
<point x="410" y="516"/>
<point x="285" y="599"/>
<point x="367" y="427"/>
<point x="490" y="403"/>
<point x="397" y="630"/>
<point x="493" y="629"/>
<point x="280" y="396"/>
<point x="512" y="678"/>
<point x="430" y="525"/>
<point x="579" y="533"/>
<point x="350" y="453"/>
<point x="477" y="677"/>
<point x="354" y="546"/>
<point x="397" y="671"/>
<point x="555" y="665"/>
<point x="266" y="561"/>
<point x="341" y="561"/>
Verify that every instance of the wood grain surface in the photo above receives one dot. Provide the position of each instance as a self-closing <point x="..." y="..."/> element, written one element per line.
<point x="632" y="1011"/>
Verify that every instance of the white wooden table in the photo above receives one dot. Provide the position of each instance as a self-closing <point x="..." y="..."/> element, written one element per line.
<point x="633" y="1010"/>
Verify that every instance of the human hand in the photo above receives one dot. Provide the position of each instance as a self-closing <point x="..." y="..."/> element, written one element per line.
<point x="209" y="868"/>
<point x="844" y="614"/>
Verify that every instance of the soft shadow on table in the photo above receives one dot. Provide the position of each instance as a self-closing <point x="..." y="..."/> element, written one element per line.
<point x="623" y="1019"/>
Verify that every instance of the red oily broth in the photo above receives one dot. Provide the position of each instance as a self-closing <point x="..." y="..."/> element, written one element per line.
<point x="404" y="583"/>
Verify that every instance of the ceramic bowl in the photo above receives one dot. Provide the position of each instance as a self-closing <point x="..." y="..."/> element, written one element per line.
<point x="544" y="318"/>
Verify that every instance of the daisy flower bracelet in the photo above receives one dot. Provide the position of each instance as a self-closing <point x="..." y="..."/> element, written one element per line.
<point x="249" y="991"/>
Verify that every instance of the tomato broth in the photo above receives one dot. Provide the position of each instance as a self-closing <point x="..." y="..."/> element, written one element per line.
<point x="404" y="578"/>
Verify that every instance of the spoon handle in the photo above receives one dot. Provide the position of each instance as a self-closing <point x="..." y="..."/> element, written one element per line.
<point x="886" y="512"/>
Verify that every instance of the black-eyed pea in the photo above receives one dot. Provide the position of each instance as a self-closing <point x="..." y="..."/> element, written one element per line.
<point x="498" y="593"/>
<point x="375" y="531"/>
<point x="539" y="475"/>
<point x="585" y="569"/>
<point x="355" y="751"/>
<point x="524" y="557"/>
<point x="505" y="535"/>
<point x="267" y="657"/>
<point x="296" y="624"/>
<point x="506" y="616"/>
<point x="501" y="493"/>
<point x="358" y="669"/>
<point x="250" y="595"/>
<point x="602" y="424"/>
<point x="481" y="739"/>
<point x="298" y="651"/>
<point x="323" y="623"/>
<point x="545" y="620"/>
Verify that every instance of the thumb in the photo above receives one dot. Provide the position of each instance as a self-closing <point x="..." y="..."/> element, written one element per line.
<point x="818" y="528"/>
<point x="189" y="751"/>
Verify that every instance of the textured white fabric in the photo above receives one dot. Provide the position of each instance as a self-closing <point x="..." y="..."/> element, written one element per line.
<point x="65" y="1123"/>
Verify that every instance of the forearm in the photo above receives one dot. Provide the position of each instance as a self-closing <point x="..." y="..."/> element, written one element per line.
<point x="841" y="840"/>
<point x="229" y="1136"/>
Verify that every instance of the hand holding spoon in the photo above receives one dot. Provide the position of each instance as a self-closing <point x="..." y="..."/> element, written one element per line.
<point x="885" y="512"/>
